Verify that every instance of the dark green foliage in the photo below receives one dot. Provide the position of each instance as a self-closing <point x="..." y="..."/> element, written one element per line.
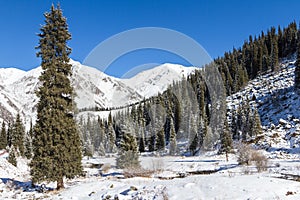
<point x="28" y="142"/>
<point x="151" y="118"/>
<point x="245" y="122"/>
<point x="9" y="134"/>
<point x="3" y="137"/>
<point x="111" y="146"/>
<point x="12" y="156"/>
<point x="28" y="147"/>
<point x="56" y="142"/>
<point x="297" y="69"/>
<point x="226" y="139"/>
<point x="18" y="134"/>
<point x="160" y="140"/>
<point x="173" y="141"/>
<point x="128" y="156"/>
<point x="257" y="56"/>
<point x="256" y="125"/>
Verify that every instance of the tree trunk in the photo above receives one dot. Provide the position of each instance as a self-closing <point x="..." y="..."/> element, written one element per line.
<point x="226" y="156"/>
<point x="60" y="184"/>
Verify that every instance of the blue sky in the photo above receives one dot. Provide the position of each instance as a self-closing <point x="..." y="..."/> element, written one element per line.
<point x="216" y="25"/>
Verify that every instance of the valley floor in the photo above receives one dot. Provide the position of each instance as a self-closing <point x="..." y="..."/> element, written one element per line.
<point x="207" y="176"/>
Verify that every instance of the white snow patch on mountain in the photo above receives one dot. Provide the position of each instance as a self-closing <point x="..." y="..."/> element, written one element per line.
<point x="92" y="88"/>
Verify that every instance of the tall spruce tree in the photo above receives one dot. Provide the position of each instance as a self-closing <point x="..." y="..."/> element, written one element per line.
<point x="56" y="141"/>
<point x="297" y="69"/>
<point x="3" y="137"/>
<point x="226" y="140"/>
<point x="18" y="134"/>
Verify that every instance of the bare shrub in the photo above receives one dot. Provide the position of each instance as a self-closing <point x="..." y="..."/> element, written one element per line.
<point x="244" y="154"/>
<point x="157" y="165"/>
<point x="137" y="172"/>
<point x="260" y="160"/>
<point x="105" y="167"/>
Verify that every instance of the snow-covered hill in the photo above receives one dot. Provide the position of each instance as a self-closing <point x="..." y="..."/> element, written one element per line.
<point x="92" y="87"/>
<point x="278" y="104"/>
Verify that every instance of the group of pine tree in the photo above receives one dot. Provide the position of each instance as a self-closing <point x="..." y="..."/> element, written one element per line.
<point x="176" y="121"/>
<point x="159" y="122"/>
<point x="14" y="138"/>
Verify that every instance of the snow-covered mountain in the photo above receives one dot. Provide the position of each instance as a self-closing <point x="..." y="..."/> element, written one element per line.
<point x="92" y="87"/>
<point x="149" y="82"/>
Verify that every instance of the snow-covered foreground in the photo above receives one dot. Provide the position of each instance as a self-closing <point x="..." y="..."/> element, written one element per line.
<point x="201" y="177"/>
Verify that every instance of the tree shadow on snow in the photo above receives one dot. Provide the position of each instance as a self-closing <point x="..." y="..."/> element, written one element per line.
<point x="25" y="186"/>
<point x="204" y="161"/>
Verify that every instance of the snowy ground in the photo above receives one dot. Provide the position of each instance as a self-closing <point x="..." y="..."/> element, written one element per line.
<point x="173" y="179"/>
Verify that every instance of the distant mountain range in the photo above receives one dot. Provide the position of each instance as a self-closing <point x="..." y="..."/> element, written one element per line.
<point x="92" y="87"/>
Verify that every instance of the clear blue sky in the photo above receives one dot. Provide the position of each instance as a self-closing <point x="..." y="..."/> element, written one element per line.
<point x="217" y="25"/>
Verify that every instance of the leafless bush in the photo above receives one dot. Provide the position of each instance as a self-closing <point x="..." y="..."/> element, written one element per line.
<point x="157" y="165"/>
<point x="137" y="172"/>
<point x="244" y="154"/>
<point x="105" y="167"/>
<point x="260" y="160"/>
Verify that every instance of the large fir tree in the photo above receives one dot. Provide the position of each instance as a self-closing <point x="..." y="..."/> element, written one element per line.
<point x="56" y="141"/>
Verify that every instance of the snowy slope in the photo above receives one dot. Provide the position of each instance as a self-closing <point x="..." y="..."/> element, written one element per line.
<point x="92" y="88"/>
<point x="279" y="107"/>
<point x="149" y="82"/>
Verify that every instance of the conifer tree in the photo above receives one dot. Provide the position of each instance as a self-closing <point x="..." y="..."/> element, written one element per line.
<point x="297" y="69"/>
<point x="274" y="54"/>
<point x="226" y="140"/>
<point x="3" y="137"/>
<point x="28" y="146"/>
<point x="12" y="156"/>
<point x="111" y="135"/>
<point x="256" y="124"/>
<point x="18" y="133"/>
<point x="9" y="134"/>
<point x="56" y="141"/>
<point x="173" y="142"/>
<point x="128" y="156"/>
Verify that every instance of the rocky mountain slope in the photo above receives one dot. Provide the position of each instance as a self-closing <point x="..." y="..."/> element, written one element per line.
<point x="278" y="104"/>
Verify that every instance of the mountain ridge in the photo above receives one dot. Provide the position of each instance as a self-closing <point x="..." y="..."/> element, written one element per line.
<point x="92" y="87"/>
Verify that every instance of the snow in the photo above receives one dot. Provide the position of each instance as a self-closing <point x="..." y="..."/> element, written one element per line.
<point x="151" y="82"/>
<point x="92" y="88"/>
<point x="230" y="181"/>
<point x="278" y="105"/>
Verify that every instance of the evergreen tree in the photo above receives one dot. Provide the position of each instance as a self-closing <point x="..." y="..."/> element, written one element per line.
<point x="256" y="124"/>
<point x="173" y="142"/>
<point x="12" y="156"/>
<point x="111" y="136"/>
<point x="3" y="137"/>
<point x="226" y="140"/>
<point x="128" y="156"/>
<point x="297" y="69"/>
<point x="9" y="134"/>
<point x="28" y="147"/>
<point x="274" y="52"/>
<point x="18" y="133"/>
<point x="56" y="141"/>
